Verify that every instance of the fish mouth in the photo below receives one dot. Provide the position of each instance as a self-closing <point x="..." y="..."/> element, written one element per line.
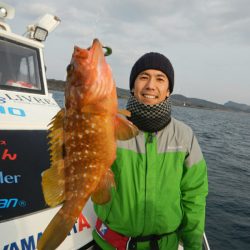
<point x="96" y="43"/>
<point x="96" y="50"/>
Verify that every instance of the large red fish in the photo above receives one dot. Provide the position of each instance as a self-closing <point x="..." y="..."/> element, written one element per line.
<point x="83" y="142"/>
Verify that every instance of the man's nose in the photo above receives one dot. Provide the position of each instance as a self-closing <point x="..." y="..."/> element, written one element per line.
<point x="150" y="84"/>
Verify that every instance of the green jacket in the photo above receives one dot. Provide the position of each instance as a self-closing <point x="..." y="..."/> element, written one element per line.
<point x="161" y="187"/>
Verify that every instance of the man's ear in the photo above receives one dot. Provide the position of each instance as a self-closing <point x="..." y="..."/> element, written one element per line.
<point x="168" y="93"/>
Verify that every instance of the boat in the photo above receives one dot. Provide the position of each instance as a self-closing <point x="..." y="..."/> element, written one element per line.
<point x="26" y="108"/>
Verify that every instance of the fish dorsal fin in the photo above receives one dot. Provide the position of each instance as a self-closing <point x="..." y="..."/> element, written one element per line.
<point x="53" y="179"/>
<point x="102" y="193"/>
<point x="124" y="129"/>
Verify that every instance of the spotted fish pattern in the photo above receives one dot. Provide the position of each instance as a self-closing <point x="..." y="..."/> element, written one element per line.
<point x="83" y="142"/>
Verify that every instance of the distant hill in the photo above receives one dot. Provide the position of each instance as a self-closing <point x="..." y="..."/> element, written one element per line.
<point x="123" y="93"/>
<point x="237" y="106"/>
<point x="177" y="100"/>
<point x="60" y="86"/>
<point x="181" y="100"/>
<point x="56" y="84"/>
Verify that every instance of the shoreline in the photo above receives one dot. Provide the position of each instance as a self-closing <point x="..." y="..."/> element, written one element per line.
<point x="177" y="100"/>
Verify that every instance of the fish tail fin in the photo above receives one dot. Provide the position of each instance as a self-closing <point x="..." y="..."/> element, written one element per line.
<point x="56" y="231"/>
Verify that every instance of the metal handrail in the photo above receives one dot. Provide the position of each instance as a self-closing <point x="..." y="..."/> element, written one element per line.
<point x="205" y="242"/>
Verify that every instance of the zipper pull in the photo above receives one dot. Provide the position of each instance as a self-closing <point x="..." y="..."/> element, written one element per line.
<point x="150" y="138"/>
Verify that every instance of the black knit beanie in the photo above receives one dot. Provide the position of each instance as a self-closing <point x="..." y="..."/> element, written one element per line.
<point x="152" y="60"/>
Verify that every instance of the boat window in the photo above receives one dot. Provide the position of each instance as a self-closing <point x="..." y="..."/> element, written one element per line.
<point x="20" y="67"/>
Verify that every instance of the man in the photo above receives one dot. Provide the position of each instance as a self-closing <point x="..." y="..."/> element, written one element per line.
<point x="161" y="175"/>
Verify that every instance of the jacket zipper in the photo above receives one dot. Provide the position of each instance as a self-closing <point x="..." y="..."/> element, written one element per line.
<point x="150" y="138"/>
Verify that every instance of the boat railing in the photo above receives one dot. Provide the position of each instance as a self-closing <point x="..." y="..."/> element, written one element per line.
<point x="205" y="242"/>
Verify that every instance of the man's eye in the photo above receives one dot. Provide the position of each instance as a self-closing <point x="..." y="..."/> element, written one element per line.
<point x="143" y="77"/>
<point x="160" y="79"/>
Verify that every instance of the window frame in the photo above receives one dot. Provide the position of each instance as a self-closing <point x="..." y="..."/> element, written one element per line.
<point x="39" y="71"/>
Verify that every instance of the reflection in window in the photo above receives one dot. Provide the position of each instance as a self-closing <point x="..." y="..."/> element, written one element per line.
<point x="19" y="66"/>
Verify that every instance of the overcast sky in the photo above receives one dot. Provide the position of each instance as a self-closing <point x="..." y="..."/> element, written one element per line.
<point x="207" y="41"/>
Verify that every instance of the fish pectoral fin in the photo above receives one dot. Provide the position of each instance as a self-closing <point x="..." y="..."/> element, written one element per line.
<point x="53" y="185"/>
<point x="102" y="193"/>
<point x="124" y="112"/>
<point x="124" y="129"/>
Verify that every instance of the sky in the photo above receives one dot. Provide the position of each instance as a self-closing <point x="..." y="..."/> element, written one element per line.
<point x="207" y="41"/>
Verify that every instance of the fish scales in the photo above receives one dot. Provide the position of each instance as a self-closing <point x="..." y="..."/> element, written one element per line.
<point x="82" y="142"/>
<point x="91" y="154"/>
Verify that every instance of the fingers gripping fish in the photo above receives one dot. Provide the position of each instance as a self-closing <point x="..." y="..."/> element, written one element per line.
<point x="83" y="142"/>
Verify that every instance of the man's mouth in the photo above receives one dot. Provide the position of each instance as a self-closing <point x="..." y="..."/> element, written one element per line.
<point x="149" y="96"/>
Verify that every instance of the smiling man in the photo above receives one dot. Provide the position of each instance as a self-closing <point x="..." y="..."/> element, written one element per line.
<point x="151" y="87"/>
<point x="161" y="175"/>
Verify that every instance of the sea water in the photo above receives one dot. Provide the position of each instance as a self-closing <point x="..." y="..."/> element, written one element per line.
<point x="225" y="141"/>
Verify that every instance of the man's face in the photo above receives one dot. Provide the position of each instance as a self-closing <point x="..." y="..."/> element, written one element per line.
<point x="151" y="87"/>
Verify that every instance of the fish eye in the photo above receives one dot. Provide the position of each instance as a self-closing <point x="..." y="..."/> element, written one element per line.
<point x="70" y="67"/>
